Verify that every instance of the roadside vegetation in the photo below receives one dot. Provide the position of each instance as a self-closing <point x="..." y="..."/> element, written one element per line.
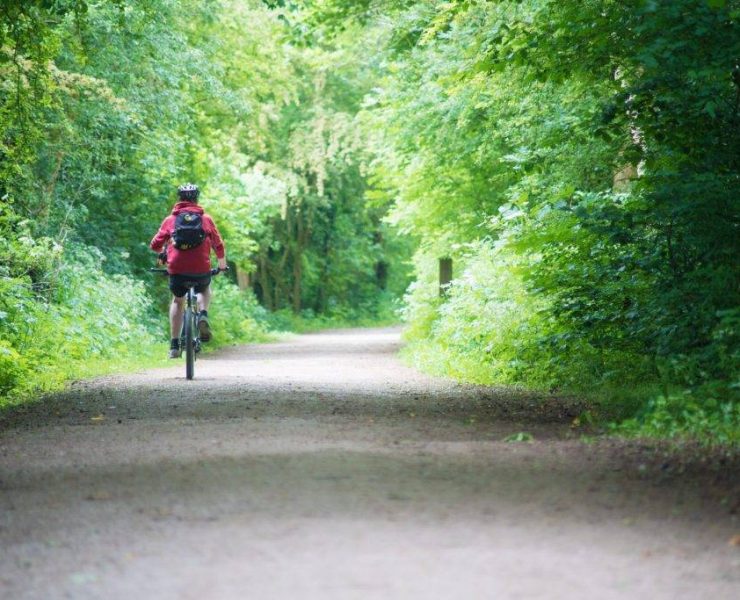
<point x="105" y="107"/>
<point x="577" y="161"/>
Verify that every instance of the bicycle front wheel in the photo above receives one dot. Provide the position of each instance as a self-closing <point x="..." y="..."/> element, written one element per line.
<point x="189" y="344"/>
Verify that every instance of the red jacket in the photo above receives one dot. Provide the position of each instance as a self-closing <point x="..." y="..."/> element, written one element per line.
<point x="196" y="260"/>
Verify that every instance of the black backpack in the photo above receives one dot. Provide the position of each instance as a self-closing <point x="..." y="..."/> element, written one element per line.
<point x="189" y="232"/>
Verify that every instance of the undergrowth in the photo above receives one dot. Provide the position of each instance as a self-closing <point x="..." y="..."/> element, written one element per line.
<point x="491" y="329"/>
<point x="709" y="416"/>
<point x="386" y="312"/>
<point x="82" y="321"/>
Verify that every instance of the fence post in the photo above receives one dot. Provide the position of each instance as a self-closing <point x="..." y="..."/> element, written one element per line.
<point x="445" y="275"/>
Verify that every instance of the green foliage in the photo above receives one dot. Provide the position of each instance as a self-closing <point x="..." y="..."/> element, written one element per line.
<point x="237" y="317"/>
<point x="577" y="160"/>
<point x="85" y="316"/>
<point x="378" y="313"/>
<point x="11" y="368"/>
<point x="106" y="106"/>
<point x="579" y="163"/>
<point x="685" y="415"/>
<point x="486" y="328"/>
<point x="94" y="321"/>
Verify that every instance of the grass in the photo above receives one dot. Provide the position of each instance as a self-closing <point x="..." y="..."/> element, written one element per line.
<point x="707" y="417"/>
<point x="60" y="376"/>
<point x="148" y="355"/>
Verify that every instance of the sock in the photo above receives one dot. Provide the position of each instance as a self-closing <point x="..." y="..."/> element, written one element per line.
<point x="174" y="343"/>
<point x="204" y="313"/>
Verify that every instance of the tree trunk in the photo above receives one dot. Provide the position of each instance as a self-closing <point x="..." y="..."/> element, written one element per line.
<point x="445" y="275"/>
<point x="297" y="276"/>
<point x="321" y="297"/>
<point x="266" y="283"/>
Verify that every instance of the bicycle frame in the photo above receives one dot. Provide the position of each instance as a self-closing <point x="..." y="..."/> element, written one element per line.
<point x="189" y="338"/>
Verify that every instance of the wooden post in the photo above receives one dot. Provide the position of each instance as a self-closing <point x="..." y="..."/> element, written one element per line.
<point x="242" y="279"/>
<point x="445" y="275"/>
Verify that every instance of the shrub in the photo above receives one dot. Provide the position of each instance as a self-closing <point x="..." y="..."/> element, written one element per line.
<point x="12" y="368"/>
<point x="689" y="415"/>
<point x="80" y="316"/>
<point x="236" y="316"/>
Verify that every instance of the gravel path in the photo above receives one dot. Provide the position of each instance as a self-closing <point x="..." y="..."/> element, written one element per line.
<point x="323" y="468"/>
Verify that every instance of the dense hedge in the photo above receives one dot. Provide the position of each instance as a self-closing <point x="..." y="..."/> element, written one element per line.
<point x="579" y="162"/>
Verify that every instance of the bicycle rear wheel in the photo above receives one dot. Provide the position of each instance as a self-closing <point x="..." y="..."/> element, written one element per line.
<point x="189" y="336"/>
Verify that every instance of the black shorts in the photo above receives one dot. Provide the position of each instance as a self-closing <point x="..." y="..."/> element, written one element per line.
<point x="179" y="284"/>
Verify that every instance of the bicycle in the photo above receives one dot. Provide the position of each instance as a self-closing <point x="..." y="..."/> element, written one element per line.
<point x="189" y="340"/>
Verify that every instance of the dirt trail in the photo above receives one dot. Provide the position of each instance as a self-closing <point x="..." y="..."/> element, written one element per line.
<point x="323" y="468"/>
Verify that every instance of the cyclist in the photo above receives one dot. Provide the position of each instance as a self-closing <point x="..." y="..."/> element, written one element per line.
<point x="184" y="242"/>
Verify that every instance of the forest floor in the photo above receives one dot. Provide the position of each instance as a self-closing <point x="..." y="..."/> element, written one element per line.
<point x="322" y="467"/>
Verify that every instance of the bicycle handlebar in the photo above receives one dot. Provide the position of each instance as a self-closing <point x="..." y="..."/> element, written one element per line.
<point x="213" y="272"/>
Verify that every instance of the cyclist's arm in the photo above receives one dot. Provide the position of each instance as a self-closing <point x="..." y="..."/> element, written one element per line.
<point x="217" y="244"/>
<point x="162" y="237"/>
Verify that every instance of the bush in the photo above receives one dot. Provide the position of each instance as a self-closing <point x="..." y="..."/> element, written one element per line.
<point x="485" y="329"/>
<point x="236" y="316"/>
<point x="12" y="368"/>
<point x="86" y="321"/>
<point x="688" y="415"/>
<point x="81" y="316"/>
<point x="490" y="328"/>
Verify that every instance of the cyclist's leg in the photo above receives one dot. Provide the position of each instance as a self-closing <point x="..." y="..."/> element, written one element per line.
<point x="177" y="309"/>
<point x="204" y="298"/>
